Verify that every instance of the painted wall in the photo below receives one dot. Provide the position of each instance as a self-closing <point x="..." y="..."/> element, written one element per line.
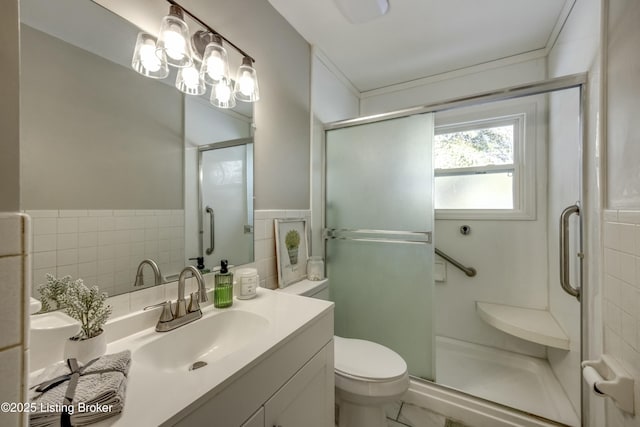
<point x="94" y="134"/>
<point x="576" y="50"/>
<point x="494" y="75"/>
<point x="283" y="63"/>
<point x="333" y="98"/>
<point x="9" y="111"/>
<point x="621" y="285"/>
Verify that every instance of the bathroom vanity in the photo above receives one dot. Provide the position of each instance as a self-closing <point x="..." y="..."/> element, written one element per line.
<point x="267" y="361"/>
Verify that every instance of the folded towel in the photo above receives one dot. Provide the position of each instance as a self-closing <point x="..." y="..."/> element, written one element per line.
<point x="69" y="394"/>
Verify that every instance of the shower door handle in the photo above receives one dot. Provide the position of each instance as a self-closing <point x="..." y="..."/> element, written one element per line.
<point x="212" y="235"/>
<point x="564" y="251"/>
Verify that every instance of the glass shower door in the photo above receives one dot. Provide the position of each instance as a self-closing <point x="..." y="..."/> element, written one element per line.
<point x="379" y="218"/>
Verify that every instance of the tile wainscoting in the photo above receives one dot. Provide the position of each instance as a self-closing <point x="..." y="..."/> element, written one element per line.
<point x="15" y="276"/>
<point x="104" y="247"/>
<point x="621" y="302"/>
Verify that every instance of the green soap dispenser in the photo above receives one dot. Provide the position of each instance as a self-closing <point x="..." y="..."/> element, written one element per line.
<point x="223" y="288"/>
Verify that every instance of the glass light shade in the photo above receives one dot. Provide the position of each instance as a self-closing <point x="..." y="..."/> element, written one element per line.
<point x="190" y="81"/>
<point x="173" y="41"/>
<point x="145" y="61"/>
<point x="246" y="87"/>
<point x="215" y="63"/>
<point x="222" y="94"/>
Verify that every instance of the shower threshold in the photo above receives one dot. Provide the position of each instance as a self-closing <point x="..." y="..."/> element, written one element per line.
<point x="522" y="382"/>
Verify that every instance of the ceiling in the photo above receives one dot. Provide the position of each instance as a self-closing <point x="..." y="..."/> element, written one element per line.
<point x="422" y="38"/>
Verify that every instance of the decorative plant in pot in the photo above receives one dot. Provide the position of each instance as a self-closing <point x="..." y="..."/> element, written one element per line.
<point x="292" y="242"/>
<point x="86" y="305"/>
<point x="51" y="293"/>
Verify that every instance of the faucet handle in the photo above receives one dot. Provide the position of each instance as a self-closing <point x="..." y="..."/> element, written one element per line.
<point x="194" y="305"/>
<point x="167" y="314"/>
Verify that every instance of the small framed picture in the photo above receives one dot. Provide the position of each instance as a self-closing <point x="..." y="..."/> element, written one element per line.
<point x="292" y="250"/>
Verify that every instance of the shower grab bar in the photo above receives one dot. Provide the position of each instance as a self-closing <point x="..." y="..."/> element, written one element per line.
<point x="469" y="271"/>
<point x="564" y="251"/>
<point x="420" y="237"/>
<point x="212" y="235"/>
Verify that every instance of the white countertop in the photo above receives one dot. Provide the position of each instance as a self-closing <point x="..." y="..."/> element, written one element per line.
<point x="153" y="397"/>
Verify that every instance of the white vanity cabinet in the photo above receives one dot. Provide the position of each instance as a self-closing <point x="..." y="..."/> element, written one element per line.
<point x="293" y="386"/>
<point x="304" y="400"/>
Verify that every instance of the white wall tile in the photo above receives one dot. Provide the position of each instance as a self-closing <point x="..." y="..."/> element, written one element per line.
<point x="610" y="216"/>
<point x="44" y="260"/>
<point x="66" y="241"/>
<point x="45" y="242"/>
<point x="627" y="236"/>
<point x="87" y="224"/>
<point x="106" y="223"/>
<point x="67" y="225"/>
<point x="67" y="257"/>
<point x="45" y="226"/>
<point x="42" y="213"/>
<point x="73" y="213"/>
<point x="67" y="270"/>
<point x="627" y="268"/>
<point x="99" y="213"/>
<point x="88" y="254"/>
<point x="10" y="234"/>
<point x="11" y="302"/>
<point x="10" y="386"/>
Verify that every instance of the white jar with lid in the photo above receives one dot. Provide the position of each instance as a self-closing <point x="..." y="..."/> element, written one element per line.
<point x="315" y="268"/>
<point x="247" y="281"/>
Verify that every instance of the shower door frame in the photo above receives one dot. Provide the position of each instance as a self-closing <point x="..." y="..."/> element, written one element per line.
<point x="573" y="81"/>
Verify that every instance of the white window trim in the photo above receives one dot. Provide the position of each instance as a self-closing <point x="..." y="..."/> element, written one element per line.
<point x="524" y="157"/>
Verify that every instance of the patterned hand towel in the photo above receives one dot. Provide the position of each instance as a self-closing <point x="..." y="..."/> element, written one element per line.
<point x="67" y="394"/>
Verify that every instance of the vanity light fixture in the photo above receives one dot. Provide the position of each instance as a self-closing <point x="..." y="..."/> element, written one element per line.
<point x="173" y="39"/>
<point x="145" y="61"/>
<point x="246" y="87"/>
<point x="190" y="81"/>
<point x="201" y="60"/>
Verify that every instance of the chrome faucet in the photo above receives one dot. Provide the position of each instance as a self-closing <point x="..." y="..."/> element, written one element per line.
<point x="156" y="273"/>
<point x="181" y="315"/>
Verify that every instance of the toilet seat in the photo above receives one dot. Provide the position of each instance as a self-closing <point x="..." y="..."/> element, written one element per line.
<point x="367" y="361"/>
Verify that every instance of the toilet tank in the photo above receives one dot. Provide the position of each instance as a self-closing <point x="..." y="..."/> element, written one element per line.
<point x="309" y="288"/>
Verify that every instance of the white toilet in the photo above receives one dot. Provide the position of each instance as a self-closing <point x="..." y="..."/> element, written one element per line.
<point x="367" y="375"/>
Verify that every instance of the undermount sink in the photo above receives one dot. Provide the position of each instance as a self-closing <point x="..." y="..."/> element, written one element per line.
<point x="205" y="340"/>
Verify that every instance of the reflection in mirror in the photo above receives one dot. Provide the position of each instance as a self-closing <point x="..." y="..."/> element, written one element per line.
<point x="218" y="175"/>
<point x="226" y="201"/>
<point x="103" y="149"/>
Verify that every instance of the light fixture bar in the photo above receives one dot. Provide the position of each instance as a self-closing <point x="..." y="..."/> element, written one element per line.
<point x="199" y="21"/>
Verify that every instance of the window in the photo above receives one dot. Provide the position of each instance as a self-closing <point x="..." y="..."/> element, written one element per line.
<point x="480" y="171"/>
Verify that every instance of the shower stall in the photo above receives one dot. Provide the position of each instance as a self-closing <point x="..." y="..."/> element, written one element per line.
<point x="453" y="236"/>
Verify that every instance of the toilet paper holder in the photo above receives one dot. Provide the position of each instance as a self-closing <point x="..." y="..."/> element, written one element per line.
<point x="606" y="377"/>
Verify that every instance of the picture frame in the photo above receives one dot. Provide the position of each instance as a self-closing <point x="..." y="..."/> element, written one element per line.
<point x="292" y="250"/>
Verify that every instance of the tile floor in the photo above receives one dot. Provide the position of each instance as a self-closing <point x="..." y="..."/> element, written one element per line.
<point x="403" y="414"/>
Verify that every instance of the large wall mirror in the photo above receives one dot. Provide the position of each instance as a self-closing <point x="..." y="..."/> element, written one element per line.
<point x="111" y="161"/>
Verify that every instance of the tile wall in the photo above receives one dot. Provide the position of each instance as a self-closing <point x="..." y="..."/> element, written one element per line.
<point x="265" y="263"/>
<point x="621" y="302"/>
<point x="15" y="276"/>
<point x="104" y="247"/>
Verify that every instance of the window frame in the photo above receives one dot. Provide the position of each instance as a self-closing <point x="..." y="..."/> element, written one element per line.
<point x="524" y="167"/>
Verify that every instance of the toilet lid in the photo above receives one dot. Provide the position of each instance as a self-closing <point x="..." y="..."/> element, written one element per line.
<point x="366" y="359"/>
